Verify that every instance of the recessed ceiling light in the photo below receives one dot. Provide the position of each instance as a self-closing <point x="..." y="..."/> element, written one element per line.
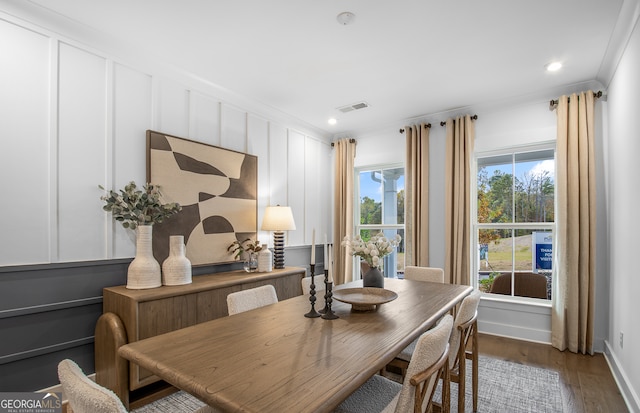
<point x="332" y="121"/>
<point x="553" y="66"/>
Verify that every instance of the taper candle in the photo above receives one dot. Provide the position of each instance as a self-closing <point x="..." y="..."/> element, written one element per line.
<point x="313" y="247"/>
<point x="326" y="266"/>
<point x="330" y="278"/>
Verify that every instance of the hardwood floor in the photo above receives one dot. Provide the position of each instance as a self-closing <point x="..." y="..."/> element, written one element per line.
<point x="586" y="382"/>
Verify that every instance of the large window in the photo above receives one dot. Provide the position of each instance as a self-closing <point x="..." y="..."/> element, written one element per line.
<point x="515" y="222"/>
<point x="380" y="208"/>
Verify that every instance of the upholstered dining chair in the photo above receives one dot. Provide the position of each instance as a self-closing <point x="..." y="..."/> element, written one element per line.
<point x="431" y="274"/>
<point x="318" y="280"/>
<point x="425" y="274"/>
<point x="415" y="394"/>
<point x="86" y="396"/>
<point x="246" y="300"/>
<point x="83" y="394"/>
<point x="464" y="330"/>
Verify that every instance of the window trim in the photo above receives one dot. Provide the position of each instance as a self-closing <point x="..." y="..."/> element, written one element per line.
<point x="476" y="226"/>
<point x="357" y="227"/>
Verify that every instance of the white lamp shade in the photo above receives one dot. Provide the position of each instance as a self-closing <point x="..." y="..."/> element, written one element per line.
<point x="278" y="218"/>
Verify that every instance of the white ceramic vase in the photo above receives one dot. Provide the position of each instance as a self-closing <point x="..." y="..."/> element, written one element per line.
<point x="265" y="260"/>
<point x="144" y="270"/>
<point x="176" y="269"/>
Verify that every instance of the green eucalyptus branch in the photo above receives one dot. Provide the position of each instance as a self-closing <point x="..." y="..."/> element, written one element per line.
<point x="133" y="207"/>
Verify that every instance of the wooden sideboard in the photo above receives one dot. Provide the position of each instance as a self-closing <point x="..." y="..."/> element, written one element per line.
<point x="132" y="315"/>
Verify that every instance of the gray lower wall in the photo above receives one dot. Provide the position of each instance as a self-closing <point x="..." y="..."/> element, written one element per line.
<point x="49" y="312"/>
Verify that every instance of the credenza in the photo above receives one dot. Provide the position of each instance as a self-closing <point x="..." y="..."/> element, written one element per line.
<point x="132" y="315"/>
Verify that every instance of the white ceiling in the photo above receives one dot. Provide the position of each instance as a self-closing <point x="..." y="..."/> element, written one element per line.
<point x="405" y="58"/>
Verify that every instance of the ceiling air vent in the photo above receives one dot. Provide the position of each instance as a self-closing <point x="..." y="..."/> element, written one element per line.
<point x="355" y="106"/>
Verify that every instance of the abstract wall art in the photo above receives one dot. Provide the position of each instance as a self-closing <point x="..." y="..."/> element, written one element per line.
<point x="217" y="189"/>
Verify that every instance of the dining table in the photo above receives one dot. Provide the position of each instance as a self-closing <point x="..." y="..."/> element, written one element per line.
<point x="274" y="359"/>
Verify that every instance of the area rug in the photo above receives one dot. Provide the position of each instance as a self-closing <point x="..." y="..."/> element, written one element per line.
<point x="504" y="386"/>
<point x="179" y="402"/>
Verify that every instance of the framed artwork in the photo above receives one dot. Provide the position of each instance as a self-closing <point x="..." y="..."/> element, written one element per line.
<point x="217" y="189"/>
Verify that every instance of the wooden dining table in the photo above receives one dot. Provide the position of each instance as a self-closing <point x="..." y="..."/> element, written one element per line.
<point x="274" y="359"/>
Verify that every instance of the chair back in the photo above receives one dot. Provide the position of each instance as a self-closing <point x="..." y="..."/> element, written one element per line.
<point x="462" y="327"/>
<point x="428" y="361"/>
<point x="318" y="280"/>
<point x="527" y="284"/>
<point x="246" y="300"/>
<point x="83" y="394"/>
<point x="430" y="274"/>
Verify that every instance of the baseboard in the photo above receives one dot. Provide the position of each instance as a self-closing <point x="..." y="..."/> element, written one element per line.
<point x="515" y="332"/>
<point x="628" y="393"/>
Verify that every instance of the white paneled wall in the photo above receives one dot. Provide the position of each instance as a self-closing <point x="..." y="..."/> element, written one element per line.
<point x="25" y="157"/>
<point x="74" y="118"/>
<point x="82" y="143"/>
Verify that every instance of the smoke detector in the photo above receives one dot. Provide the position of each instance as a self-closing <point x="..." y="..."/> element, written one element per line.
<point x="345" y="18"/>
<point x="354" y="106"/>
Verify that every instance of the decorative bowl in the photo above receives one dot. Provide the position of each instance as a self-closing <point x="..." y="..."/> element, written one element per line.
<point x="364" y="299"/>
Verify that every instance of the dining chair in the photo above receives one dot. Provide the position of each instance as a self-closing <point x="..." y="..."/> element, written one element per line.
<point x="464" y="330"/>
<point x="431" y="274"/>
<point x="83" y="394"/>
<point x="425" y="274"/>
<point x="246" y="300"/>
<point x="415" y="394"/>
<point x="86" y="396"/>
<point x="318" y="280"/>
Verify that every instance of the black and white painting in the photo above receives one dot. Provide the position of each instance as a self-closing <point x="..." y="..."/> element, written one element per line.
<point x="217" y="189"/>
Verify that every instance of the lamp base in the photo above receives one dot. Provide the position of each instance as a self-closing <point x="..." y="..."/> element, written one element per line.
<point x="278" y="249"/>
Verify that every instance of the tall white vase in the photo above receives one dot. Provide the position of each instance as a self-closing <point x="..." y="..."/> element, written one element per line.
<point x="176" y="269"/>
<point x="144" y="270"/>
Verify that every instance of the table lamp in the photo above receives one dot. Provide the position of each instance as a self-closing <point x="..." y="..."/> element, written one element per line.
<point x="278" y="219"/>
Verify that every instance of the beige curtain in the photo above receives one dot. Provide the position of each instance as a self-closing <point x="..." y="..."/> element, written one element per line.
<point x="416" y="202"/>
<point x="459" y="148"/>
<point x="573" y="296"/>
<point x="344" y="156"/>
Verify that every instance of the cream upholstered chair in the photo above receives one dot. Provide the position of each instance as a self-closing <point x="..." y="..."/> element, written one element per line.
<point x="86" y="396"/>
<point x="318" y="280"/>
<point x="425" y="274"/>
<point x="83" y="394"/>
<point x="246" y="300"/>
<point x="430" y="361"/>
<point x="464" y="329"/>
<point x="431" y="274"/>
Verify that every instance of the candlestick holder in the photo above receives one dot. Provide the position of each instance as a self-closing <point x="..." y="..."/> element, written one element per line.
<point x="329" y="314"/>
<point x="326" y="280"/>
<point x="312" y="295"/>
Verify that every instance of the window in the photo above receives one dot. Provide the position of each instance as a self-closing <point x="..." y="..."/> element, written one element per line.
<point x="514" y="224"/>
<point x="380" y="207"/>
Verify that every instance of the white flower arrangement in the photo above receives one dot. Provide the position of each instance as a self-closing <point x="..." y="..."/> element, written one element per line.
<point x="373" y="250"/>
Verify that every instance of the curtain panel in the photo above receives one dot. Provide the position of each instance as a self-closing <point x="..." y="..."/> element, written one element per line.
<point x="344" y="160"/>
<point x="573" y="298"/>
<point x="459" y="148"/>
<point x="416" y="242"/>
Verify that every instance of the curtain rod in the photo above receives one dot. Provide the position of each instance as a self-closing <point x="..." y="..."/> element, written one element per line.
<point x="350" y="141"/>
<point x="473" y="117"/>
<point x="428" y="125"/>
<point x="553" y="103"/>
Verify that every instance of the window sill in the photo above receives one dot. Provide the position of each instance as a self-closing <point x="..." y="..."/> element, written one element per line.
<point x="534" y="302"/>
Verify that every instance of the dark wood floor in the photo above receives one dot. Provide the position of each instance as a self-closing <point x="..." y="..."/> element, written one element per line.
<point x="586" y="382"/>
